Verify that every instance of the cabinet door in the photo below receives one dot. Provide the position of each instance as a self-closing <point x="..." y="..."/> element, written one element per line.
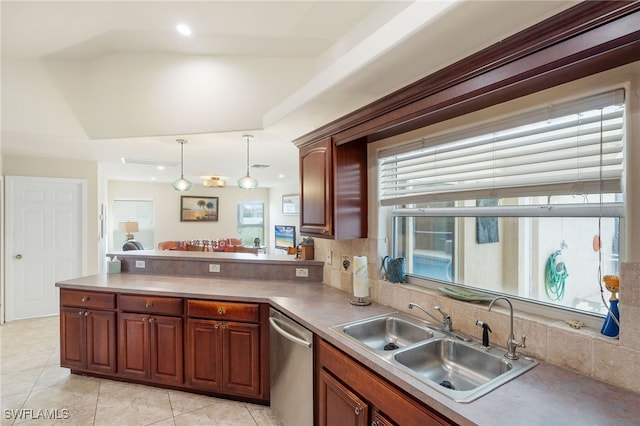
<point x="73" y="338"/>
<point x="133" y="346"/>
<point x="337" y="405"/>
<point x="166" y="349"/>
<point x="316" y="193"/>
<point x="203" y="363"/>
<point x="350" y="190"/>
<point x="241" y="358"/>
<point x="101" y="341"/>
<point x="379" y="419"/>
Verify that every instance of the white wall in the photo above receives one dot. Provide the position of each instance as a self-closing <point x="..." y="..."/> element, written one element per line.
<point x="276" y="217"/>
<point x="167" y="225"/>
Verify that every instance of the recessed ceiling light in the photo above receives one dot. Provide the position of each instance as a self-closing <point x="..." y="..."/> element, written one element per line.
<point x="183" y="29"/>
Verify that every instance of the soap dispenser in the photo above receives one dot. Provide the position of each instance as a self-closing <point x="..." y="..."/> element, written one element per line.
<point x="485" y="333"/>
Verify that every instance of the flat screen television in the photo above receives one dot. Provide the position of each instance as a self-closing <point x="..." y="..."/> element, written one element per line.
<point x="285" y="236"/>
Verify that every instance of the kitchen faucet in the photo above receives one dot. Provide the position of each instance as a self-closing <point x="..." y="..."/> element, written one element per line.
<point x="511" y="340"/>
<point x="446" y="318"/>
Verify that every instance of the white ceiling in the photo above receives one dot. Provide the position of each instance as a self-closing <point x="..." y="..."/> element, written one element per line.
<point x="101" y="80"/>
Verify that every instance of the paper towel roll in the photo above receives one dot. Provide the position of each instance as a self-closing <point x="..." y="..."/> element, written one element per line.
<point x="360" y="277"/>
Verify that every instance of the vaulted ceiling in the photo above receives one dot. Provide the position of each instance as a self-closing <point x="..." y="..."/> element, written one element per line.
<point x="101" y="80"/>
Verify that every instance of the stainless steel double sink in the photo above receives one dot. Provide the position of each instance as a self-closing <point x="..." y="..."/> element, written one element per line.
<point x="459" y="368"/>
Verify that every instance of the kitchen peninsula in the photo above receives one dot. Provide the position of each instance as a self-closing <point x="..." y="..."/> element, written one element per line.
<point x="177" y="298"/>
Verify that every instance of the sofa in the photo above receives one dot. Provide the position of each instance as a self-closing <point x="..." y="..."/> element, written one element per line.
<point x="208" y="244"/>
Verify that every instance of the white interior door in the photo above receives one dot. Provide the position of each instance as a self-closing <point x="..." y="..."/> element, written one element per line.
<point x="45" y="234"/>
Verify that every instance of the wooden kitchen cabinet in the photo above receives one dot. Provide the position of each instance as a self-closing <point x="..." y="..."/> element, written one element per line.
<point x="150" y="345"/>
<point x="333" y="196"/>
<point x="379" y="419"/>
<point x="337" y="405"/>
<point x="88" y="331"/>
<point x="225" y="348"/>
<point x="216" y="347"/>
<point x="346" y="389"/>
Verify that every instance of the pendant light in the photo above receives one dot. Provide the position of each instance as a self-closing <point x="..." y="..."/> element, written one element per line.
<point x="181" y="184"/>
<point x="247" y="182"/>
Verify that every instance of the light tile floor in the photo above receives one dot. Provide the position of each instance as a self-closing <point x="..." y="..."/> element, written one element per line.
<point x="33" y="387"/>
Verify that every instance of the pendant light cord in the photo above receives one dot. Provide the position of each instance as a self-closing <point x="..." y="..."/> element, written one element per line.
<point x="182" y="159"/>
<point x="247" y="138"/>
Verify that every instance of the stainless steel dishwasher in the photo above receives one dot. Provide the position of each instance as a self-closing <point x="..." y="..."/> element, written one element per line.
<point x="291" y="355"/>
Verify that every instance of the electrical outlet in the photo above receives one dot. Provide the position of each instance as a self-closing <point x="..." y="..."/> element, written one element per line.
<point x="140" y="264"/>
<point x="214" y="267"/>
<point x="302" y="272"/>
<point x="329" y="258"/>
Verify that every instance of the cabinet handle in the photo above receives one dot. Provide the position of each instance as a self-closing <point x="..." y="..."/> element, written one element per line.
<point x="85" y="299"/>
<point x="358" y="411"/>
<point x="216" y="326"/>
<point x="375" y="423"/>
<point x="86" y="313"/>
<point x="224" y="326"/>
<point x="148" y="305"/>
<point x="144" y="319"/>
<point x="151" y="320"/>
<point x="221" y="311"/>
<point x="80" y="313"/>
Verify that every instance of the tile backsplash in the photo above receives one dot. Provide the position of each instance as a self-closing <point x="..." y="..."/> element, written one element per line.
<point x="615" y="361"/>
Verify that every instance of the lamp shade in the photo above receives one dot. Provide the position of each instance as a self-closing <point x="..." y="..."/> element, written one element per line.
<point x="248" y="182"/>
<point x="129" y="228"/>
<point x="181" y="184"/>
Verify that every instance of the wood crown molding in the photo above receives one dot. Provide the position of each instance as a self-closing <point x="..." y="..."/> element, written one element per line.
<point x="583" y="40"/>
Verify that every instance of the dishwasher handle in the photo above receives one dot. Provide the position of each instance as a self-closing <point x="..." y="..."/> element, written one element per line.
<point x="274" y="323"/>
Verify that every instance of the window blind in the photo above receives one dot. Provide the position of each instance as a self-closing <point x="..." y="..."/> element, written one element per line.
<point x="140" y="211"/>
<point x="570" y="148"/>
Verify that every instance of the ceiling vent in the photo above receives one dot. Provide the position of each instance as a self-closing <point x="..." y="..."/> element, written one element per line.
<point x="143" y="162"/>
<point x="260" y="166"/>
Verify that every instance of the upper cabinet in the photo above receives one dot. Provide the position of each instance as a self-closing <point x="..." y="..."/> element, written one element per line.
<point x="333" y="182"/>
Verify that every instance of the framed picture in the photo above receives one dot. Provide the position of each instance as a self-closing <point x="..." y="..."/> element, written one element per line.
<point x="198" y="209"/>
<point x="291" y="204"/>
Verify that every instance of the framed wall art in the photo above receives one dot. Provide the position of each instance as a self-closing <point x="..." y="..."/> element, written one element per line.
<point x="198" y="209"/>
<point x="291" y="204"/>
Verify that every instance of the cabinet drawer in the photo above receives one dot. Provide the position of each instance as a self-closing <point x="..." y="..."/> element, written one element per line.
<point x="151" y="304"/>
<point x="224" y="310"/>
<point x="87" y="299"/>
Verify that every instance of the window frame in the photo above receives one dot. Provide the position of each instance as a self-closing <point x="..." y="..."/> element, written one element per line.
<point x="143" y="225"/>
<point x="537" y="307"/>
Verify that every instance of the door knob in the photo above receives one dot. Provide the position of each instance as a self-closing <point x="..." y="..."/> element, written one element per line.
<point x="18" y="256"/>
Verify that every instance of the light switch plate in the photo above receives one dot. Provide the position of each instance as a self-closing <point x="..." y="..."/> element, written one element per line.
<point x="140" y="264"/>
<point x="214" y="267"/>
<point x="302" y="272"/>
<point x="329" y="258"/>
